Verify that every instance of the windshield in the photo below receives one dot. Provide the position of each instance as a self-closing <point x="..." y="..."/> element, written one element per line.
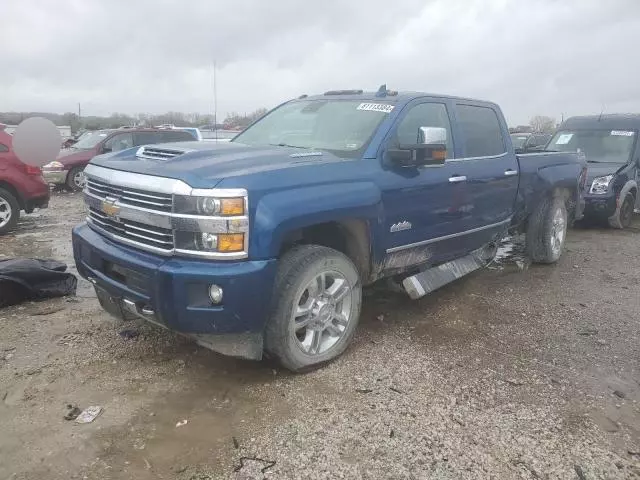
<point x="518" y="140"/>
<point x="598" y="146"/>
<point x="343" y="127"/>
<point x="89" y="140"/>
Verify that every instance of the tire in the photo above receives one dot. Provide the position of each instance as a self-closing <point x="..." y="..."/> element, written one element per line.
<point x="330" y="313"/>
<point x="75" y="179"/>
<point x="624" y="214"/>
<point x="9" y="211"/>
<point x="547" y="231"/>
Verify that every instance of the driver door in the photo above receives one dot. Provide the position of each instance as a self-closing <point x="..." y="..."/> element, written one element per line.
<point x="425" y="207"/>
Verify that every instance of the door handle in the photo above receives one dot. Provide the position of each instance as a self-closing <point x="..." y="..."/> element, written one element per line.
<point x="457" y="179"/>
<point x="510" y="173"/>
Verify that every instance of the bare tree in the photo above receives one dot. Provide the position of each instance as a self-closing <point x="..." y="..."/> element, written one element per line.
<point x="543" y="124"/>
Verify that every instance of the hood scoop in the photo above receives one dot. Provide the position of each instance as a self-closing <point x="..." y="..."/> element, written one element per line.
<point x="160" y="153"/>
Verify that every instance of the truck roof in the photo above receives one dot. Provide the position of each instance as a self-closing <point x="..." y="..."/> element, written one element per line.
<point x="397" y="97"/>
<point x="613" y="121"/>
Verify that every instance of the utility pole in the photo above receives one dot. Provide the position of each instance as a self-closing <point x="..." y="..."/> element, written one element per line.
<point x="215" y="102"/>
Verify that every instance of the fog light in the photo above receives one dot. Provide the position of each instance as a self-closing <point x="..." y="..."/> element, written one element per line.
<point x="215" y="294"/>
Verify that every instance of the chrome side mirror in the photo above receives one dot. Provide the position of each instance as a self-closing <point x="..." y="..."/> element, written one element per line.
<point x="432" y="136"/>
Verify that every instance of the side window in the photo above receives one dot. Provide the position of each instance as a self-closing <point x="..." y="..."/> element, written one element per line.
<point x="177" y="136"/>
<point x="481" y="130"/>
<point x="146" y="138"/>
<point x="3" y="148"/>
<point x="424" y="115"/>
<point x="118" y="142"/>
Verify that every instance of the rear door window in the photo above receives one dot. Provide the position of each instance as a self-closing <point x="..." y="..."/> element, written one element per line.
<point x="481" y="131"/>
<point x="120" y="141"/>
<point x="3" y="148"/>
<point x="146" y="138"/>
<point x="176" y="136"/>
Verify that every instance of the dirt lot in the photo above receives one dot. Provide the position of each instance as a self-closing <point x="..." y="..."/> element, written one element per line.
<point x="505" y="374"/>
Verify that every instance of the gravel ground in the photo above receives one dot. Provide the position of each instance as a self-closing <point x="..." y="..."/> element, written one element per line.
<point x="508" y="373"/>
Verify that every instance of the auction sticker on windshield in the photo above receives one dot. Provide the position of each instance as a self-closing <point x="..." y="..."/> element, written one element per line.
<point x="621" y="133"/>
<point x="376" y="107"/>
<point x="564" y="138"/>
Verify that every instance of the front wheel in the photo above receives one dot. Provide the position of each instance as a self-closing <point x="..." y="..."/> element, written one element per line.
<point x="547" y="231"/>
<point x="76" y="179"/>
<point x="316" y="307"/>
<point x="9" y="211"/>
<point x="624" y="215"/>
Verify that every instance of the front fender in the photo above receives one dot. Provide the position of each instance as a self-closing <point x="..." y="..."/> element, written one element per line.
<point x="282" y="212"/>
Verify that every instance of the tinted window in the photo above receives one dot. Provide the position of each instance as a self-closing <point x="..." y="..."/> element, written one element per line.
<point x="176" y="136"/>
<point x="424" y="115"/>
<point x="146" y="138"/>
<point x="3" y="148"/>
<point x="481" y="130"/>
<point x="118" y="142"/>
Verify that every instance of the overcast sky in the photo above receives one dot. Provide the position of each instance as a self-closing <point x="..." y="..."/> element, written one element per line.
<point x="532" y="57"/>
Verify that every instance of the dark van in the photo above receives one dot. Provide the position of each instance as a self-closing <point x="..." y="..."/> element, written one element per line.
<point x="610" y="145"/>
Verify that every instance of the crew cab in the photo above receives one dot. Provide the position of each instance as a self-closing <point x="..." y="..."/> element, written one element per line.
<point x="21" y="186"/>
<point x="610" y="145"/>
<point x="67" y="170"/>
<point x="262" y="245"/>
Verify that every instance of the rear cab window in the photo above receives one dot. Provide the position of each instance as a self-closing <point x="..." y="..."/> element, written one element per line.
<point x="482" y="134"/>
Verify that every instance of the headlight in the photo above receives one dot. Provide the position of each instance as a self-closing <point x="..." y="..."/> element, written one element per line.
<point x="53" y="166"/>
<point x="600" y="185"/>
<point x="206" y="242"/>
<point x="212" y="223"/>
<point x="225" y="207"/>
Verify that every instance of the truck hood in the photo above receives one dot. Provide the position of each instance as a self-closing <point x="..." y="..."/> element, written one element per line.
<point x="70" y="156"/>
<point x="205" y="164"/>
<point x="595" y="170"/>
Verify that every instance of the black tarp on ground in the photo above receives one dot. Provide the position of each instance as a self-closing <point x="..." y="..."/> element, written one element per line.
<point x="23" y="279"/>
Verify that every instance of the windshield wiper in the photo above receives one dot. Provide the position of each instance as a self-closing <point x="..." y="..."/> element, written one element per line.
<point x="287" y="145"/>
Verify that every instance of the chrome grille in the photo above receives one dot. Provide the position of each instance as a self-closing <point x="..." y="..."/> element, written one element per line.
<point x="161" y="202"/>
<point x="141" y="233"/>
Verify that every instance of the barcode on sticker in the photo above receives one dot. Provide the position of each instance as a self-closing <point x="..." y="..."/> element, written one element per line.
<point x="621" y="133"/>
<point x="376" y="107"/>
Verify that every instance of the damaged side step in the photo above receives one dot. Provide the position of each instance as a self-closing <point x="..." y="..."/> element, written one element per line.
<point x="420" y="284"/>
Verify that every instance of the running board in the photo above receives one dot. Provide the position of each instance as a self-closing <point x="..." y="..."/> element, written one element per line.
<point x="420" y="284"/>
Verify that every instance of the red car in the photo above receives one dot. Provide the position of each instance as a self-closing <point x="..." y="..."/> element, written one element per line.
<point x="67" y="170"/>
<point x="21" y="186"/>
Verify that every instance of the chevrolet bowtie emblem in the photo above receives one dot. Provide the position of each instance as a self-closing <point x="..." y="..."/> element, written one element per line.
<point x="110" y="208"/>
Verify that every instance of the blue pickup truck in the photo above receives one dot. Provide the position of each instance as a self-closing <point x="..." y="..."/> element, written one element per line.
<point x="261" y="246"/>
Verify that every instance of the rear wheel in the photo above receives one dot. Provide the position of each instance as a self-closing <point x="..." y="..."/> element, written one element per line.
<point x="547" y="231"/>
<point x="624" y="215"/>
<point x="76" y="179"/>
<point x="9" y="211"/>
<point x="316" y="307"/>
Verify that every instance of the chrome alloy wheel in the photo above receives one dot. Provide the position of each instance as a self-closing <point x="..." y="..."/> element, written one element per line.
<point x="322" y="313"/>
<point x="558" y="231"/>
<point x="5" y="212"/>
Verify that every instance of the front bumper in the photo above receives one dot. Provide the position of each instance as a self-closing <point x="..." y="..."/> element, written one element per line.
<point x="600" y="206"/>
<point x="173" y="292"/>
<point x="55" y="177"/>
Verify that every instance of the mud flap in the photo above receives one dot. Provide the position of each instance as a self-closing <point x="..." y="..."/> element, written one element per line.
<point x="429" y="280"/>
